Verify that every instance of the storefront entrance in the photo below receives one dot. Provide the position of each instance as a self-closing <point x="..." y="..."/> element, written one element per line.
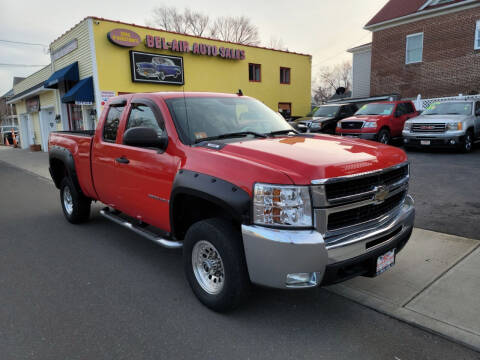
<point x="76" y="118"/>
<point x="47" y="125"/>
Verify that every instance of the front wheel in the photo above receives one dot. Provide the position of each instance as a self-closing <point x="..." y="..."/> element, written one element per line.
<point x="467" y="145"/>
<point x="75" y="206"/>
<point x="214" y="264"/>
<point x="384" y="136"/>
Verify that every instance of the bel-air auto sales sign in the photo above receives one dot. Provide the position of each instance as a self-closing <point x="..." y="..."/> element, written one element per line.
<point x="129" y="38"/>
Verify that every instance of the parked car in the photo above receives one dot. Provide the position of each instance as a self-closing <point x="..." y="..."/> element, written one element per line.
<point x="248" y="198"/>
<point x="6" y="133"/>
<point x="447" y="124"/>
<point x="380" y="121"/>
<point x="324" y="118"/>
<point x="159" y="68"/>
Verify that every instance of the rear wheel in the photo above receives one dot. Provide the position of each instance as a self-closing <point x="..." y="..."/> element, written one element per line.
<point x="214" y="264"/>
<point x="75" y="206"/>
<point x="384" y="136"/>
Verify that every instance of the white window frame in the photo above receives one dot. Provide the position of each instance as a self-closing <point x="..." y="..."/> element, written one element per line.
<point x="476" y="45"/>
<point x="406" y="48"/>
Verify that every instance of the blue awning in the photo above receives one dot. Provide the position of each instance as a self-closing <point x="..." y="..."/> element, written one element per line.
<point x="69" y="72"/>
<point x="82" y="92"/>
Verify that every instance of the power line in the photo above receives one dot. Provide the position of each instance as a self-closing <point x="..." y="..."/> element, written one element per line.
<point x="21" y="65"/>
<point x="22" y="43"/>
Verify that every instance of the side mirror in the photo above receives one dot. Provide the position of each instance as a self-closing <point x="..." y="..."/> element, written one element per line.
<point x="145" y="137"/>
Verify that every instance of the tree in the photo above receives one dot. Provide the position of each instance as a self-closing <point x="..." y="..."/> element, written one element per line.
<point x="228" y="28"/>
<point x="276" y="43"/>
<point x="235" y="29"/>
<point x="330" y="79"/>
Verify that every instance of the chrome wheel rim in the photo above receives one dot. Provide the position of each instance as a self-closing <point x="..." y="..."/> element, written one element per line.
<point x="67" y="200"/>
<point x="384" y="139"/>
<point x="208" y="267"/>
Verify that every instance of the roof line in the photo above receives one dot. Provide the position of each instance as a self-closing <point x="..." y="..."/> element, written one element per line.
<point x="422" y="13"/>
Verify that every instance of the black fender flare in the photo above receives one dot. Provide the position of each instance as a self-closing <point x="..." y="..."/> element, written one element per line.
<point x="231" y="198"/>
<point x="65" y="156"/>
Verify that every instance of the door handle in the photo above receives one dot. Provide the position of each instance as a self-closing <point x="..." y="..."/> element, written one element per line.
<point x="122" y="160"/>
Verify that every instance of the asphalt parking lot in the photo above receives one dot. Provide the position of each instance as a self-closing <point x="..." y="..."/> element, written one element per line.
<point x="97" y="291"/>
<point x="446" y="188"/>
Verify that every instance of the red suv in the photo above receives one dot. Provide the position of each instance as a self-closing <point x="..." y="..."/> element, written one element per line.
<point x="380" y="121"/>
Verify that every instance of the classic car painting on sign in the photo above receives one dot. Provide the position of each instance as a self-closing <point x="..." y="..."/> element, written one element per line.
<point x="156" y="68"/>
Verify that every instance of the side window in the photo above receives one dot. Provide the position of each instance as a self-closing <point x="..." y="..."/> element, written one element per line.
<point x="143" y="116"/>
<point x="401" y="109"/>
<point x="112" y="121"/>
<point x="477" y="108"/>
<point x="409" y="108"/>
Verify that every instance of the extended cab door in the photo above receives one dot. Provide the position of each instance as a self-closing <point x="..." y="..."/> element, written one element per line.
<point x="146" y="176"/>
<point x="105" y="153"/>
<point x="403" y="112"/>
<point x="477" y="118"/>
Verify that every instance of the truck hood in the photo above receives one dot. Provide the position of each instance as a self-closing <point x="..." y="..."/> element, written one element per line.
<point x="439" y="118"/>
<point x="307" y="158"/>
<point x="366" y="118"/>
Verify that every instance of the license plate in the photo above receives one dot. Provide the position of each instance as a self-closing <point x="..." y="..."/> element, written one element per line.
<point x="424" y="142"/>
<point x="385" y="261"/>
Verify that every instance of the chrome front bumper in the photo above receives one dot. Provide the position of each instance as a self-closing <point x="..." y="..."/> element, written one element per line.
<point x="272" y="254"/>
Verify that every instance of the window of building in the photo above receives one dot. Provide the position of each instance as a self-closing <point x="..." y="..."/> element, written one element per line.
<point x="284" y="75"/>
<point x="254" y="72"/>
<point x="414" y="48"/>
<point x="143" y="116"/>
<point x="111" y="123"/>
<point x="477" y="36"/>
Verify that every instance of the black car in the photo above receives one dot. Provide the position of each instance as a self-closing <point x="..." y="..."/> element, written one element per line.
<point x="324" y="118"/>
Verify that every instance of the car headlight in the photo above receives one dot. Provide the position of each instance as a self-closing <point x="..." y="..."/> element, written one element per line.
<point x="454" y="126"/>
<point x="339" y="125"/>
<point x="370" y="124"/>
<point x="316" y="125"/>
<point x="407" y="126"/>
<point x="278" y="205"/>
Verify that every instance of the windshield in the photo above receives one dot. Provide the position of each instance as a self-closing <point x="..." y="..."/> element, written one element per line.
<point x="375" y="109"/>
<point x="197" y="118"/>
<point x="324" y="111"/>
<point x="449" y="108"/>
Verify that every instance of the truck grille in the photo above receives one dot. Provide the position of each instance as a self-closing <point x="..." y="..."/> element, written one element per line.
<point x="364" y="184"/>
<point x="358" y="200"/>
<point x="352" y="124"/>
<point x="364" y="213"/>
<point x="428" y="128"/>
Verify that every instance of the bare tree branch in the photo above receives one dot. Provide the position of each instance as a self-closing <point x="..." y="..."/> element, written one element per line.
<point x="276" y="43"/>
<point x="332" y="78"/>
<point x="235" y="29"/>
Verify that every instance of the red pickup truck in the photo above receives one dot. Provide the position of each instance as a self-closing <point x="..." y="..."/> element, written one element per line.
<point x="380" y="121"/>
<point x="248" y="198"/>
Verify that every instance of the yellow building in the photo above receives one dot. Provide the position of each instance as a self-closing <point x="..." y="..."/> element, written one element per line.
<point x="100" y="58"/>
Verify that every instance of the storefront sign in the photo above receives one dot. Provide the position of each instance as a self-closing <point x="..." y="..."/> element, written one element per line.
<point x="155" y="68"/>
<point x="124" y="37"/>
<point x="105" y="96"/>
<point x="64" y="50"/>
<point x="33" y="104"/>
<point x="156" y="42"/>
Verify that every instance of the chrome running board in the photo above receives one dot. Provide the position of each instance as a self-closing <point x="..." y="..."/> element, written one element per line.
<point x="140" y="231"/>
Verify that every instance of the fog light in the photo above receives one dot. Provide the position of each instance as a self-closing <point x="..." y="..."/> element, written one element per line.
<point x="299" y="280"/>
<point x="452" y="142"/>
<point x="405" y="141"/>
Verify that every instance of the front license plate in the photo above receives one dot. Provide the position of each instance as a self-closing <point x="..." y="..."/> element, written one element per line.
<point x="424" y="142"/>
<point x="385" y="261"/>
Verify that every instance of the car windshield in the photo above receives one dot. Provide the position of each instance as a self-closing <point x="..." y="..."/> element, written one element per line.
<point x="324" y="111"/>
<point x="7" y="128"/>
<point x="375" y="109"/>
<point x="198" y="118"/>
<point x="449" y="108"/>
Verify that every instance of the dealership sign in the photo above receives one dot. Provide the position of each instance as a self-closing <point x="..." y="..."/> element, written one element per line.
<point x="155" y="68"/>
<point x="124" y="37"/>
<point x="157" y="42"/>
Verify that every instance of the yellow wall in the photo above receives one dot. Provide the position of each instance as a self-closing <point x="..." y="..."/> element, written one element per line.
<point x="206" y="73"/>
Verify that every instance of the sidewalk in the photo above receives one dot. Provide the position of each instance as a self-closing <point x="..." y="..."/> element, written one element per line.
<point x="434" y="285"/>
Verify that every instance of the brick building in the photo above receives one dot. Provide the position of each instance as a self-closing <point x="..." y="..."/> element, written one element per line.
<point x="425" y="47"/>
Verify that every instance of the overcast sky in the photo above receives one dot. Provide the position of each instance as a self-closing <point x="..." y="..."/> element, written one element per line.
<point x="322" y="28"/>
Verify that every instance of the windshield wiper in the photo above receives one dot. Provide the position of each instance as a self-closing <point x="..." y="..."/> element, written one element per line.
<point x="431" y="114"/>
<point x="282" y="132"/>
<point x="455" y="113"/>
<point x="231" y="135"/>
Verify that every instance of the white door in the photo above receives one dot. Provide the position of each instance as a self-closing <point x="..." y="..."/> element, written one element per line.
<point x="24" y="132"/>
<point x="47" y="119"/>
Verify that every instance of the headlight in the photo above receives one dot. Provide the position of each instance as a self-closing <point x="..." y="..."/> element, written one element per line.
<point x="370" y="124"/>
<point x="279" y="205"/>
<point x="316" y="125"/>
<point x="407" y="126"/>
<point x="339" y="125"/>
<point x="455" y="126"/>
